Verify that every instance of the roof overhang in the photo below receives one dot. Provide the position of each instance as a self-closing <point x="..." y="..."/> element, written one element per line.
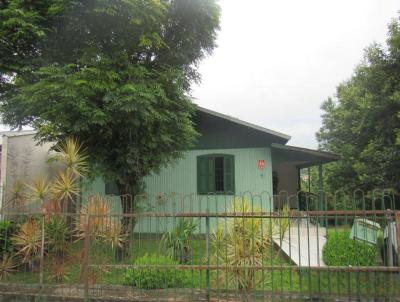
<point x="302" y="157"/>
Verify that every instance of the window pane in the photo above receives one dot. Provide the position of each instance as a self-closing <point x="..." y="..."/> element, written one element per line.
<point x="219" y="174"/>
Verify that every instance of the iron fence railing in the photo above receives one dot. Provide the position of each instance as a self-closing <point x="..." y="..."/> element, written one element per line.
<point x="204" y="248"/>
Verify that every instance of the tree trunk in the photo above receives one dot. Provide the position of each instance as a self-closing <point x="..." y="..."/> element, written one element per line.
<point x="127" y="196"/>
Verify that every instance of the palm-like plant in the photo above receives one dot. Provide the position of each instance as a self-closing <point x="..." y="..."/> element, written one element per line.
<point x="16" y="196"/>
<point x="113" y="234"/>
<point x="95" y="216"/>
<point x="245" y="242"/>
<point x="176" y="242"/>
<point x="7" y="266"/>
<point x="40" y="189"/>
<point x="57" y="272"/>
<point x="57" y="234"/>
<point x="96" y="212"/>
<point x="65" y="187"/>
<point x="73" y="155"/>
<point x="28" y="240"/>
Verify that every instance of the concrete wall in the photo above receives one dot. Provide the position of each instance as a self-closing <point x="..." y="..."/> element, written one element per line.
<point x="22" y="160"/>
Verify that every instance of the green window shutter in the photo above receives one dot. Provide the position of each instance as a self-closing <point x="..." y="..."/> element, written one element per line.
<point x="202" y="174"/>
<point x="211" y="174"/>
<point x="229" y="174"/>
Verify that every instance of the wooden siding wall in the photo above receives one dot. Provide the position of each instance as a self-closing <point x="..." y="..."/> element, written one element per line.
<point x="174" y="189"/>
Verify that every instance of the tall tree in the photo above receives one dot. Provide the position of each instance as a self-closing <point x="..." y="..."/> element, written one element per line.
<point x="362" y="123"/>
<point x="114" y="74"/>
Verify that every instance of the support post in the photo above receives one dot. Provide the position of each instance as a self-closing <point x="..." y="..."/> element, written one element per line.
<point x="208" y="256"/>
<point x="398" y="234"/>
<point x="86" y="258"/>
<point x="390" y="240"/>
<point x="321" y="190"/>
<point x="41" y="264"/>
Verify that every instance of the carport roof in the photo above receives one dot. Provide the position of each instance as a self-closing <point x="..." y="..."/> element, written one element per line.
<point x="303" y="157"/>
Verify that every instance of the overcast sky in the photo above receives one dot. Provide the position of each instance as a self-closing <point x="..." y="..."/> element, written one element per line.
<point x="277" y="61"/>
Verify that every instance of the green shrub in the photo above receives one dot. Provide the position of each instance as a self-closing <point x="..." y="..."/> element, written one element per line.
<point x="340" y="250"/>
<point x="154" y="278"/>
<point x="7" y="230"/>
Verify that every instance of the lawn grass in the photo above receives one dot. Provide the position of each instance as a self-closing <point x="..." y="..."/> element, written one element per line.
<point x="282" y="280"/>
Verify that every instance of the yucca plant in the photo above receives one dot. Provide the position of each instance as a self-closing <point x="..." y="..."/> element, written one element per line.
<point x="176" y="242"/>
<point x="16" y="195"/>
<point x="7" y="266"/>
<point x="57" y="235"/>
<point x="72" y="154"/>
<point x="57" y="272"/>
<point x="113" y="234"/>
<point x="245" y="242"/>
<point x="40" y="189"/>
<point x="65" y="187"/>
<point x="99" y="211"/>
<point x="95" y="217"/>
<point x="28" y="240"/>
<point x="51" y="207"/>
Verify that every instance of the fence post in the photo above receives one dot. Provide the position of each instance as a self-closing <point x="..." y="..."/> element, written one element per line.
<point x="41" y="264"/>
<point x="390" y="241"/>
<point x="398" y="235"/>
<point x="86" y="258"/>
<point x="208" y="255"/>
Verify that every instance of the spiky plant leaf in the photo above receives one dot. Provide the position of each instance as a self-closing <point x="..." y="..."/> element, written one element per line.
<point x="57" y="234"/>
<point x="16" y="195"/>
<point x="245" y="242"/>
<point x="176" y="242"/>
<point x="7" y="266"/>
<point x="95" y="214"/>
<point x="28" y="240"/>
<point x="65" y="187"/>
<point x="113" y="234"/>
<point x="73" y="155"/>
<point x="40" y="188"/>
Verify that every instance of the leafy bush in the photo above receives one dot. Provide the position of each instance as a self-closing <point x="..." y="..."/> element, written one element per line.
<point x="176" y="242"/>
<point x="340" y="250"/>
<point x="154" y="278"/>
<point x="7" y="229"/>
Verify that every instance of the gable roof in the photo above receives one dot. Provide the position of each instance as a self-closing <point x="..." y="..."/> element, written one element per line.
<point x="243" y="123"/>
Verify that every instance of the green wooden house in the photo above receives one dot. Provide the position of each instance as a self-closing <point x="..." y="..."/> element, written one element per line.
<point x="231" y="158"/>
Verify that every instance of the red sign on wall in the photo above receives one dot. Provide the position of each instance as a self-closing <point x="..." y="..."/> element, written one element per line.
<point x="261" y="164"/>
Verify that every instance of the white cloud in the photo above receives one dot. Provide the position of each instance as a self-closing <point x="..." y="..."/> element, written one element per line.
<point x="277" y="61"/>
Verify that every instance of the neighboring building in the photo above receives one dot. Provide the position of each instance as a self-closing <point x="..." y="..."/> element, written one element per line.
<point x="231" y="157"/>
<point x="22" y="159"/>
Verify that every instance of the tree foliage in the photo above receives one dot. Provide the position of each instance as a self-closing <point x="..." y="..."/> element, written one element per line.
<point x="114" y="74"/>
<point x="362" y="123"/>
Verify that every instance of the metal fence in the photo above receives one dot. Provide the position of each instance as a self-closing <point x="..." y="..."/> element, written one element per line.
<point x="206" y="248"/>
